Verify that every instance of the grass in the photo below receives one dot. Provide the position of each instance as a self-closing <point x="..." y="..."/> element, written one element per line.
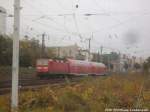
<point x="89" y="95"/>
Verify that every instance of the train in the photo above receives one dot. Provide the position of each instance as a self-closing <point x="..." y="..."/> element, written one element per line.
<point x="69" y="67"/>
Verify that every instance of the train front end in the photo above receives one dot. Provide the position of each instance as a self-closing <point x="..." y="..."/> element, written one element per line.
<point x="42" y="68"/>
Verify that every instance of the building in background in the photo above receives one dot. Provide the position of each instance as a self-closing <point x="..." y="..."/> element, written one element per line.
<point x="84" y="55"/>
<point x="115" y="62"/>
<point x="70" y="51"/>
<point x="3" y="14"/>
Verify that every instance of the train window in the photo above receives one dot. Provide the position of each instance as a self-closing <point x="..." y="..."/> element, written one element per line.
<point x="42" y="62"/>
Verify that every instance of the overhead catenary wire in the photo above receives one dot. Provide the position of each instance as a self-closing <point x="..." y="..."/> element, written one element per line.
<point x="76" y="25"/>
<point x="108" y="13"/>
<point x="94" y="14"/>
<point x="44" y="16"/>
<point x="50" y="19"/>
<point x="60" y="4"/>
<point x="61" y="25"/>
<point x="84" y="15"/>
<point x="47" y="28"/>
<point x="116" y="25"/>
<point x="104" y="10"/>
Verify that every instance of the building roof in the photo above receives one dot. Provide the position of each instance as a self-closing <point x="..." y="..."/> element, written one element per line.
<point x="67" y="46"/>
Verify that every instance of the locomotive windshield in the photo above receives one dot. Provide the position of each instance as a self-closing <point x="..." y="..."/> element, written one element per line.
<point x="42" y="62"/>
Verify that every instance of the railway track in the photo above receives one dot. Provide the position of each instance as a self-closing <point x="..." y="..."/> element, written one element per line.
<point x="34" y="84"/>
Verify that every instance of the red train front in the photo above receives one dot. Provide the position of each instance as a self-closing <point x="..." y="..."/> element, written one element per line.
<point x="69" y="67"/>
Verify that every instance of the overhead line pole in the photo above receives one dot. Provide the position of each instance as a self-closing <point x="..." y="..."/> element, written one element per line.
<point x="101" y="57"/>
<point x="15" y="60"/>
<point x="43" y="46"/>
<point x="89" y="49"/>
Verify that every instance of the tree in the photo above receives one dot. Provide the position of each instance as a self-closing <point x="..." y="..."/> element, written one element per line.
<point x="29" y="52"/>
<point x="108" y="58"/>
<point x="126" y="66"/>
<point x="146" y="65"/>
<point x="5" y="50"/>
<point x="137" y="66"/>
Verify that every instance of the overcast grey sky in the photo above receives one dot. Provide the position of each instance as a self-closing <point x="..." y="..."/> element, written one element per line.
<point x="112" y="27"/>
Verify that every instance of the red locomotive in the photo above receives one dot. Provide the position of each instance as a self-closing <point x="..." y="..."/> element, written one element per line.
<point x="69" y="67"/>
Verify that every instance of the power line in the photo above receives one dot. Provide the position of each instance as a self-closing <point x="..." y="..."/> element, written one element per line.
<point x="35" y="20"/>
<point x="89" y="14"/>
<point x="43" y="25"/>
<point x="95" y="1"/>
<point x="76" y="24"/>
<point x="70" y="14"/>
<point x="47" y="28"/>
<point x="116" y="25"/>
<point x="33" y="7"/>
<point x="107" y="13"/>
<point x="63" y="26"/>
<point x="60" y="4"/>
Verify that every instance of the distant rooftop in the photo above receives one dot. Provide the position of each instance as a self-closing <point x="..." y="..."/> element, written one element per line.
<point x="74" y="45"/>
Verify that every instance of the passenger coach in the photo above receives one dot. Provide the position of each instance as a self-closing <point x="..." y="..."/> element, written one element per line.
<point x="50" y="67"/>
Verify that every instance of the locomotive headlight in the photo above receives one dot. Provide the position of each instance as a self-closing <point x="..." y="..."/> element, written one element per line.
<point x="45" y="68"/>
<point x="39" y="68"/>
